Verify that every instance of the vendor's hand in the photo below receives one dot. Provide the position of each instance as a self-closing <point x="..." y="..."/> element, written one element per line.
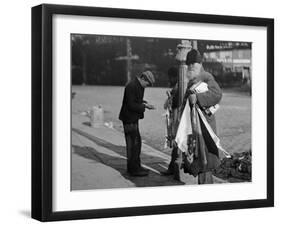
<point x="192" y="99"/>
<point x="149" y="106"/>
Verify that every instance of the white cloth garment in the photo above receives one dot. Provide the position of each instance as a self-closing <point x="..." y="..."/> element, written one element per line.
<point x="184" y="129"/>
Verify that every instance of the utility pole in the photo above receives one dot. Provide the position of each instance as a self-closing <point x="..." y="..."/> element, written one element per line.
<point x="85" y="45"/>
<point x="182" y="49"/>
<point x="194" y="44"/>
<point x="129" y="57"/>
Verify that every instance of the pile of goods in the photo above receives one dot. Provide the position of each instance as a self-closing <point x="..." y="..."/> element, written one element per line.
<point x="236" y="168"/>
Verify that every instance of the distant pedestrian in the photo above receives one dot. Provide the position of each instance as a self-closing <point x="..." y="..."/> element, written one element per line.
<point x="132" y="110"/>
<point x="171" y="105"/>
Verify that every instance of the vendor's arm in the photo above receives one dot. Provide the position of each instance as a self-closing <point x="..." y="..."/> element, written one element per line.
<point x="212" y="96"/>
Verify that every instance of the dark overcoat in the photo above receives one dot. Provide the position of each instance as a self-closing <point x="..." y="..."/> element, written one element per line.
<point x="133" y="104"/>
<point x="206" y="100"/>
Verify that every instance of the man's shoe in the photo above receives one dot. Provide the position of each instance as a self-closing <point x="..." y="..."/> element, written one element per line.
<point x="138" y="173"/>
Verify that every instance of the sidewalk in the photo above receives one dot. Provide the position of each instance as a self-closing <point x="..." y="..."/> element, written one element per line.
<point x="99" y="160"/>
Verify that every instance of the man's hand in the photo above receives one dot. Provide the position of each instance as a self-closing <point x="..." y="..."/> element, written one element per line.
<point x="149" y="106"/>
<point x="192" y="99"/>
<point x="166" y="104"/>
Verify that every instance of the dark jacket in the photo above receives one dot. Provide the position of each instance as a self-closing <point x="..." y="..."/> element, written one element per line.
<point x="133" y="104"/>
<point x="175" y="97"/>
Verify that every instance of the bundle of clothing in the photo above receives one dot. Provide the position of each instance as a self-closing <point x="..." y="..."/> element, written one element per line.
<point x="236" y="168"/>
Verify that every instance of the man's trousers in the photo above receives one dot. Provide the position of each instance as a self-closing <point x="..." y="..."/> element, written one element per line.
<point x="133" y="146"/>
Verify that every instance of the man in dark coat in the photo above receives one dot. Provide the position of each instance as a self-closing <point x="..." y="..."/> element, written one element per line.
<point x="196" y="73"/>
<point x="132" y="110"/>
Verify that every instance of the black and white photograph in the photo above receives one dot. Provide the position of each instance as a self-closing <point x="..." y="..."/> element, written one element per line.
<point x="140" y="112"/>
<point x="148" y="112"/>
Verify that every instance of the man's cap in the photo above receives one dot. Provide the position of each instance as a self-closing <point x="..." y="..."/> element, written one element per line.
<point x="149" y="76"/>
<point x="193" y="56"/>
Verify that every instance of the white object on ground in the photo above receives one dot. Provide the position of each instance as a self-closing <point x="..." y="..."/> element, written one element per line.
<point x="97" y="116"/>
<point x="109" y="125"/>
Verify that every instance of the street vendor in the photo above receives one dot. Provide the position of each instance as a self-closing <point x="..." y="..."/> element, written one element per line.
<point x="203" y="100"/>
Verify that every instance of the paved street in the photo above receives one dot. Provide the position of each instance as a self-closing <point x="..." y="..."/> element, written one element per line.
<point x="99" y="160"/>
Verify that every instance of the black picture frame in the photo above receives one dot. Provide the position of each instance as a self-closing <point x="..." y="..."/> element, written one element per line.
<point x="42" y="108"/>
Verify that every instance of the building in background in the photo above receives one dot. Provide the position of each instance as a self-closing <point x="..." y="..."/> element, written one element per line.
<point x="231" y="64"/>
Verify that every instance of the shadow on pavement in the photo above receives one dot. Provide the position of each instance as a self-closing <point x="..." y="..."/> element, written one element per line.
<point x="116" y="159"/>
<point x="87" y="124"/>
